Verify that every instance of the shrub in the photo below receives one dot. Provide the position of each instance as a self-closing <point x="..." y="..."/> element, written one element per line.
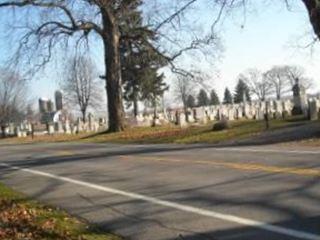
<point x="221" y="125"/>
<point x="296" y="111"/>
<point x="285" y="114"/>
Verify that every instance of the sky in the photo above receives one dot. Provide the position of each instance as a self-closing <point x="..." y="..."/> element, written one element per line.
<point x="270" y="37"/>
<point x="266" y="36"/>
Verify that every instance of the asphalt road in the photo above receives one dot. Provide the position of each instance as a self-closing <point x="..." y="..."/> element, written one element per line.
<point x="175" y="192"/>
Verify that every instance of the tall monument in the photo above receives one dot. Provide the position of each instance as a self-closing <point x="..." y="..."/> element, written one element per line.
<point x="300" y="103"/>
<point x="58" y="100"/>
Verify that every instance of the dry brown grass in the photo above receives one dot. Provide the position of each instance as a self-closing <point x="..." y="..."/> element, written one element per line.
<point x="45" y="138"/>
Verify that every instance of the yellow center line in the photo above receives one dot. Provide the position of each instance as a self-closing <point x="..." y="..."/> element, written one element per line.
<point x="63" y="153"/>
<point x="239" y="166"/>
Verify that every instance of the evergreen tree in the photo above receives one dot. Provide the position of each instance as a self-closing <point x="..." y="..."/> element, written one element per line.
<point x="191" y="102"/>
<point x="203" y="99"/>
<point x="227" y="97"/>
<point x="152" y="88"/>
<point x="214" y="99"/>
<point x="242" y="92"/>
<point x="138" y="59"/>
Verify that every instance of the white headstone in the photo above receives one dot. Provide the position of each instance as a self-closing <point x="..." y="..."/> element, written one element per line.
<point x="231" y="114"/>
<point x="67" y="127"/>
<point x="50" y="129"/>
<point x="181" y="120"/>
<point x="313" y="110"/>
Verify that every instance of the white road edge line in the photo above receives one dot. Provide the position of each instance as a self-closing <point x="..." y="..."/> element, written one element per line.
<point x="177" y="206"/>
<point x="266" y="150"/>
<point x="250" y="149"/>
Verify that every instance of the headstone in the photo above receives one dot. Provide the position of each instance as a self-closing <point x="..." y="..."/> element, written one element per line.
<point x="67" y="128"/>
<point x="199" y="114"/>
<point x="18" y="132"/>
<point x="299" y="99"/>
<point x="246" y="110"/>
<point x="58" y="127"/>
<point x="182" y="120"/>
<point x="79" y="126"/>
<point x="29" y="127"/>
<point x="11" y="129"/>
<point x="156" y="122"/>
<point x="278" y="107"/>
<point x="91" y="122"/>
<point x="313" y="110"/>
<point x="231" y="114"/>
<point x="6" y="131"/>
<point x="287" y="107"/>
<point x="260" y="114"/>
<point x="204" y="120"/>
<point x="253" y="111"/>
<point x="24" y="134"/>
<point x="190" y="116"/>
<point x="271" y="106"/>
<point x="73" y="129"/>
<point x="213" y="115"/>
<point x="50" y="129"/>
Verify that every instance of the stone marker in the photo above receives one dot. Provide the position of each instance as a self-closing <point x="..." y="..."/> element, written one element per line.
<point x="299" y="99"/>
<point x="67" y="128"/>
<point x="313" y="110"/>
<point x="50" y="129"/>
<point x="182" y="120"/>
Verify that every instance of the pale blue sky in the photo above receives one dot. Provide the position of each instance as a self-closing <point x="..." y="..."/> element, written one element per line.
<point x="268" y="38"/>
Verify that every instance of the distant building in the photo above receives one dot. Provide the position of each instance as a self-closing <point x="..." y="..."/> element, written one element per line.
<point x="48" y="114"/>
<point x="43" y="105"/>
<point x="50" y="106"/>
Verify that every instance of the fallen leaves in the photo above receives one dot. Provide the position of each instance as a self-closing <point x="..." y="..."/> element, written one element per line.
<point x="20" y="221"/>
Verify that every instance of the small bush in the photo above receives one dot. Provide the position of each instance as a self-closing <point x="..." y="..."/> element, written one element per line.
<point x="221" y="125"/>
<point x="296" y="111"/>
<point x="285" y="114"/>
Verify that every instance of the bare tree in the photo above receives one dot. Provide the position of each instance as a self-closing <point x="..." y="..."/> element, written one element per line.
<point x="80" y="84"/>
<point x="13" y="97"/>
<point x="60" y="22"/>
<point x="184" y="86"/>
<point x="297" y="72"/>
<point x="258" y="83"/>
<point x="284" y="77"/>
<point x="54" y="22"/>
<point x="278" y="78"/>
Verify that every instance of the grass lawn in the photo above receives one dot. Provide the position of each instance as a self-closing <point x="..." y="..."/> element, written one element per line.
<point x="21" y="218"/>
<point x="193" y="134"/>
<point x="171" y="134"/>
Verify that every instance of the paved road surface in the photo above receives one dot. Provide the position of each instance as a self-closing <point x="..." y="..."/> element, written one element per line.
<point x="175" y="192"/>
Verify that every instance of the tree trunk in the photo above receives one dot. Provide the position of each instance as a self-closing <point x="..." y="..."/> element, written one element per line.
<point x="314" y="15"/>
<point x="135" y="107"/>
<point x="83" y="115"/>
<point x="266" y="116"/>
<point x="3" y="131"/>
<point x="113" y="73"/>
<point x="135" y="102"/>
<point x="185" y="109"/>
<point x="154" y="113"/>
